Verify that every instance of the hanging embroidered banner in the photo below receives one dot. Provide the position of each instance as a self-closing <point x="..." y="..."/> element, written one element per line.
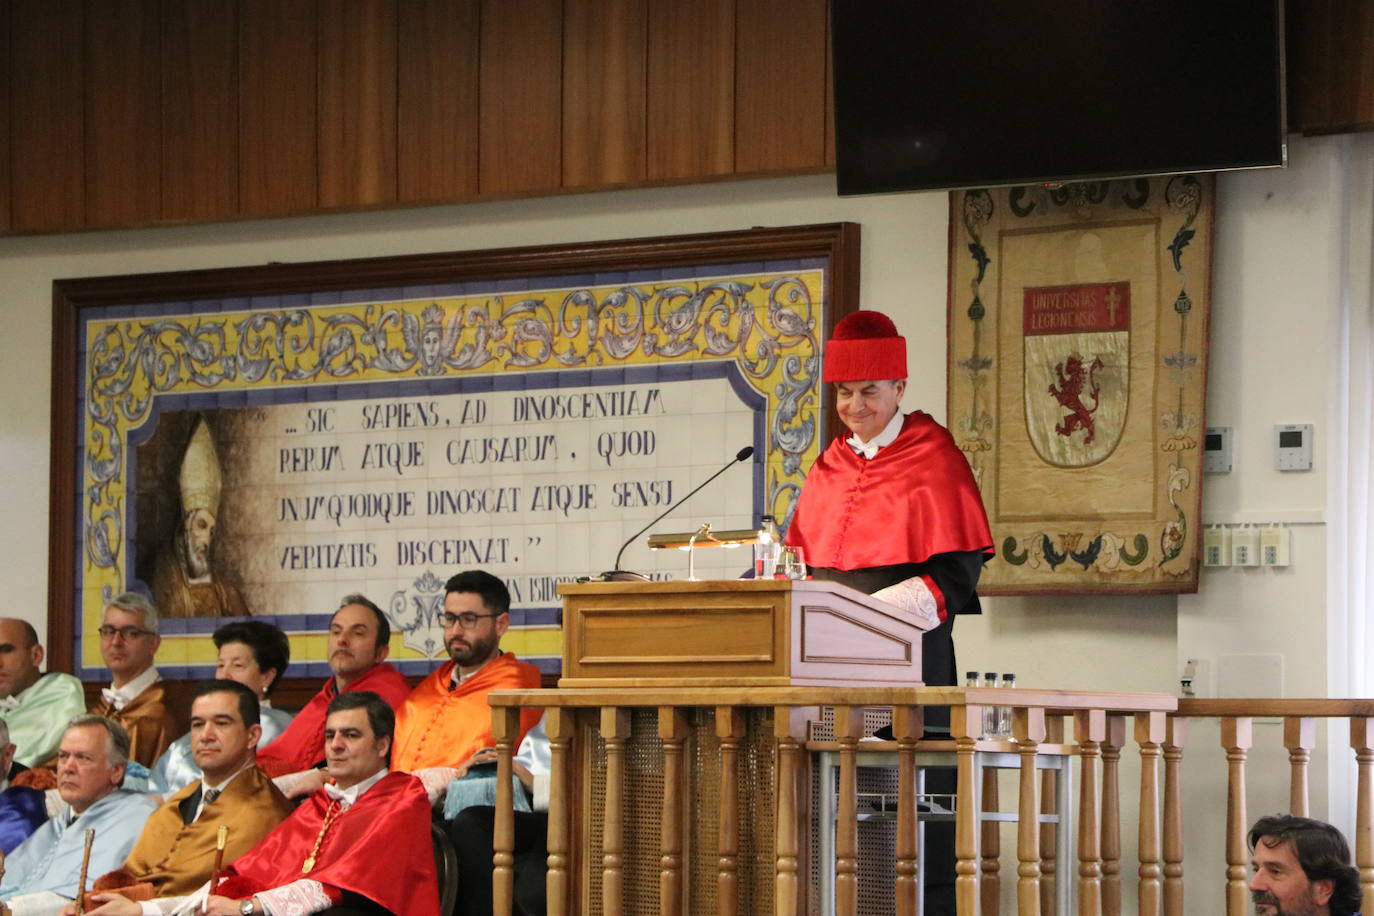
<point x="1077" y="371"/>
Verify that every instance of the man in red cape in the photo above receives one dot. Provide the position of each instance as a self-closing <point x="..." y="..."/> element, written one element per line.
<point x="446" y="719"/>
<point x="359" y="845"/>
<point x="359" y="634"/>
<point x="893" y="510"/>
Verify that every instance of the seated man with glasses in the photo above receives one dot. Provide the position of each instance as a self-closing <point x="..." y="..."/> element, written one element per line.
<point x="446" y="719"/>
<point x="137" y="697"/>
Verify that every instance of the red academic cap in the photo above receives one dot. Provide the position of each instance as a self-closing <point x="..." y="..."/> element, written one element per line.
<point x="865" y="346"/>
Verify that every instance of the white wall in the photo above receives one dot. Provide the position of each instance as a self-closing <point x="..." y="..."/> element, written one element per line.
<point x="1274" y="298"/>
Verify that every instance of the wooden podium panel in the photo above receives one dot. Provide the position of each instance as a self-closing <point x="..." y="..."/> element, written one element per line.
<point x="736" y="632"/>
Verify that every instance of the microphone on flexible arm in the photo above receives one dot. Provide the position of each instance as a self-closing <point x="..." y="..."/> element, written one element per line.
<point x="625" y="575"/>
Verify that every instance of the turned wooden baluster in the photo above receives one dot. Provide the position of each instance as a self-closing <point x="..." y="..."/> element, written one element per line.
<point x="558" y="725"/>
<point x="615" y="729"/>
<point x="1149" y="735"/>
<point x="966" y="724"/>
<point x="1174" y="740"/>
<point x="1299" y="736"/>
<point x="1028" y="725"/>
<point x="1111" y="815"/>
<point x="1361" y="739"/>
<point x="730" y="724"/>
<point x="1236" y="739"/>
<point x="1049" y="847"/>
<point x="907" y="724"/>
<point x="505" y="728"/>
<point x="991" y="841"/>
<point x="789" y="727"/>
<point x="849" y="723"/>
<point x="672" y="731"/>
<point x="1089" y="729"/>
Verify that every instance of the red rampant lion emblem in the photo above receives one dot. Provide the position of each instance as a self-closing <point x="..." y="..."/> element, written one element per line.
<point x="1069" y="393"/>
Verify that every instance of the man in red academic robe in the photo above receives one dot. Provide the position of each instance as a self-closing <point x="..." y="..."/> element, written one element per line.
<point x="893" y="510"/>
<point x="359" y="845"/>
<point x="358" y="646"/>
<point x="446" y="719"/>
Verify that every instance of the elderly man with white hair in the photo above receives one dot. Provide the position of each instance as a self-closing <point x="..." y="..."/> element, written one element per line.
<point x="41" y="875"/>
<point x="137" y="697"/>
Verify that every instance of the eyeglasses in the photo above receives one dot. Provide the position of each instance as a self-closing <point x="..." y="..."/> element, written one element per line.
<point x="467" y="620"/>
<point x="128" y="634"/>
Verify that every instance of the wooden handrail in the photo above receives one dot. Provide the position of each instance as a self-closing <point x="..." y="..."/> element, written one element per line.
<point x="1274" y="708"/>
<point x="1052" y="701"/>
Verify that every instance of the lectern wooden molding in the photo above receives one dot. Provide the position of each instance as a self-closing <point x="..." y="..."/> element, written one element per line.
<point x="739" y="632"/>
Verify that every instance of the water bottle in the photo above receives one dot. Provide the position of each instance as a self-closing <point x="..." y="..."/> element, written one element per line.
<point x="1004" y="712"/>
<point x="991" y="715"/>
<point x="768" y="550"/>
<point x="971" y="679"/>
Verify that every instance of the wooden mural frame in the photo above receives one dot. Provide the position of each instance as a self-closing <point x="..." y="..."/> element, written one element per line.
<point x="76" y="528"/>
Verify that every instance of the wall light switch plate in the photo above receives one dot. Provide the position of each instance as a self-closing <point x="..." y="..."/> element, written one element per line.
<point x="1216" y="545"/>
<point x="1245" y="546"/>
<point x="1275" y="541"/>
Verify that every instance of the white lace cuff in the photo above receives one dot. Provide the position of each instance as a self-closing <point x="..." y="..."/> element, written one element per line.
<point x="913" y="596"/>
<point x="299" y="898"/>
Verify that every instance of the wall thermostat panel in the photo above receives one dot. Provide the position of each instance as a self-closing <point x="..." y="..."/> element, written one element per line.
<point x="1293" y="447"/>
<point x="1216" y="450"/>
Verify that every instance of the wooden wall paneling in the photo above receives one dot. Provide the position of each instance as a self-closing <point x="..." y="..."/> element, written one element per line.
<point x="604" y="64"/>
<point x="278" y="153"/>
<point x="829" y="94"/>
<point x="437" y="117"/>
<point x="46" y="155"/>
<point x="520" y="92"/>
<point x="5" y="58"/>
<point x="780" y="66"/>
<point x="200" y="110"/>
<point x="1308" y="37"/>
<point x="357" y="102"/>
<point x="1351" y="89"/>
<point x="691" y="89"/>
<point x="123" y="112"/>
<point x="1330" y="63"/>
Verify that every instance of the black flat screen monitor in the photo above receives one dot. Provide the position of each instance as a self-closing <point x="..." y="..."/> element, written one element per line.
<point x="933" y="94"/>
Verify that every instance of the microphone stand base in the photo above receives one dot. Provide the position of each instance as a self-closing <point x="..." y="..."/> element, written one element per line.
<point x="622" y="575"/>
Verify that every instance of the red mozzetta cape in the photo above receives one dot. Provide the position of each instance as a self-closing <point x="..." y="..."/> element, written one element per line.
<point x="916" y="498"/>
<point x="301" y="746"/>
<point x="438" y="727"/>
<point x="379" y="848"/>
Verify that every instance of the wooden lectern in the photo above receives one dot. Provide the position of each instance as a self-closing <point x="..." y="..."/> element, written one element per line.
<point x="679" y="787"/>
<point x="734" y="633"/>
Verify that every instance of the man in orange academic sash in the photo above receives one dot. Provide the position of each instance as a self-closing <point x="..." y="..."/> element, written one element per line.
<point x="359" y="845"/>
<point x="359" y="634"/>
<point x="446" y="719"/>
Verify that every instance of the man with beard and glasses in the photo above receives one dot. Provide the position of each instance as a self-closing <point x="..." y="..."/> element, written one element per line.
<point x="359" y="636"/>
<point x="1302" y="868"/>
<point x="446" y="719"/>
